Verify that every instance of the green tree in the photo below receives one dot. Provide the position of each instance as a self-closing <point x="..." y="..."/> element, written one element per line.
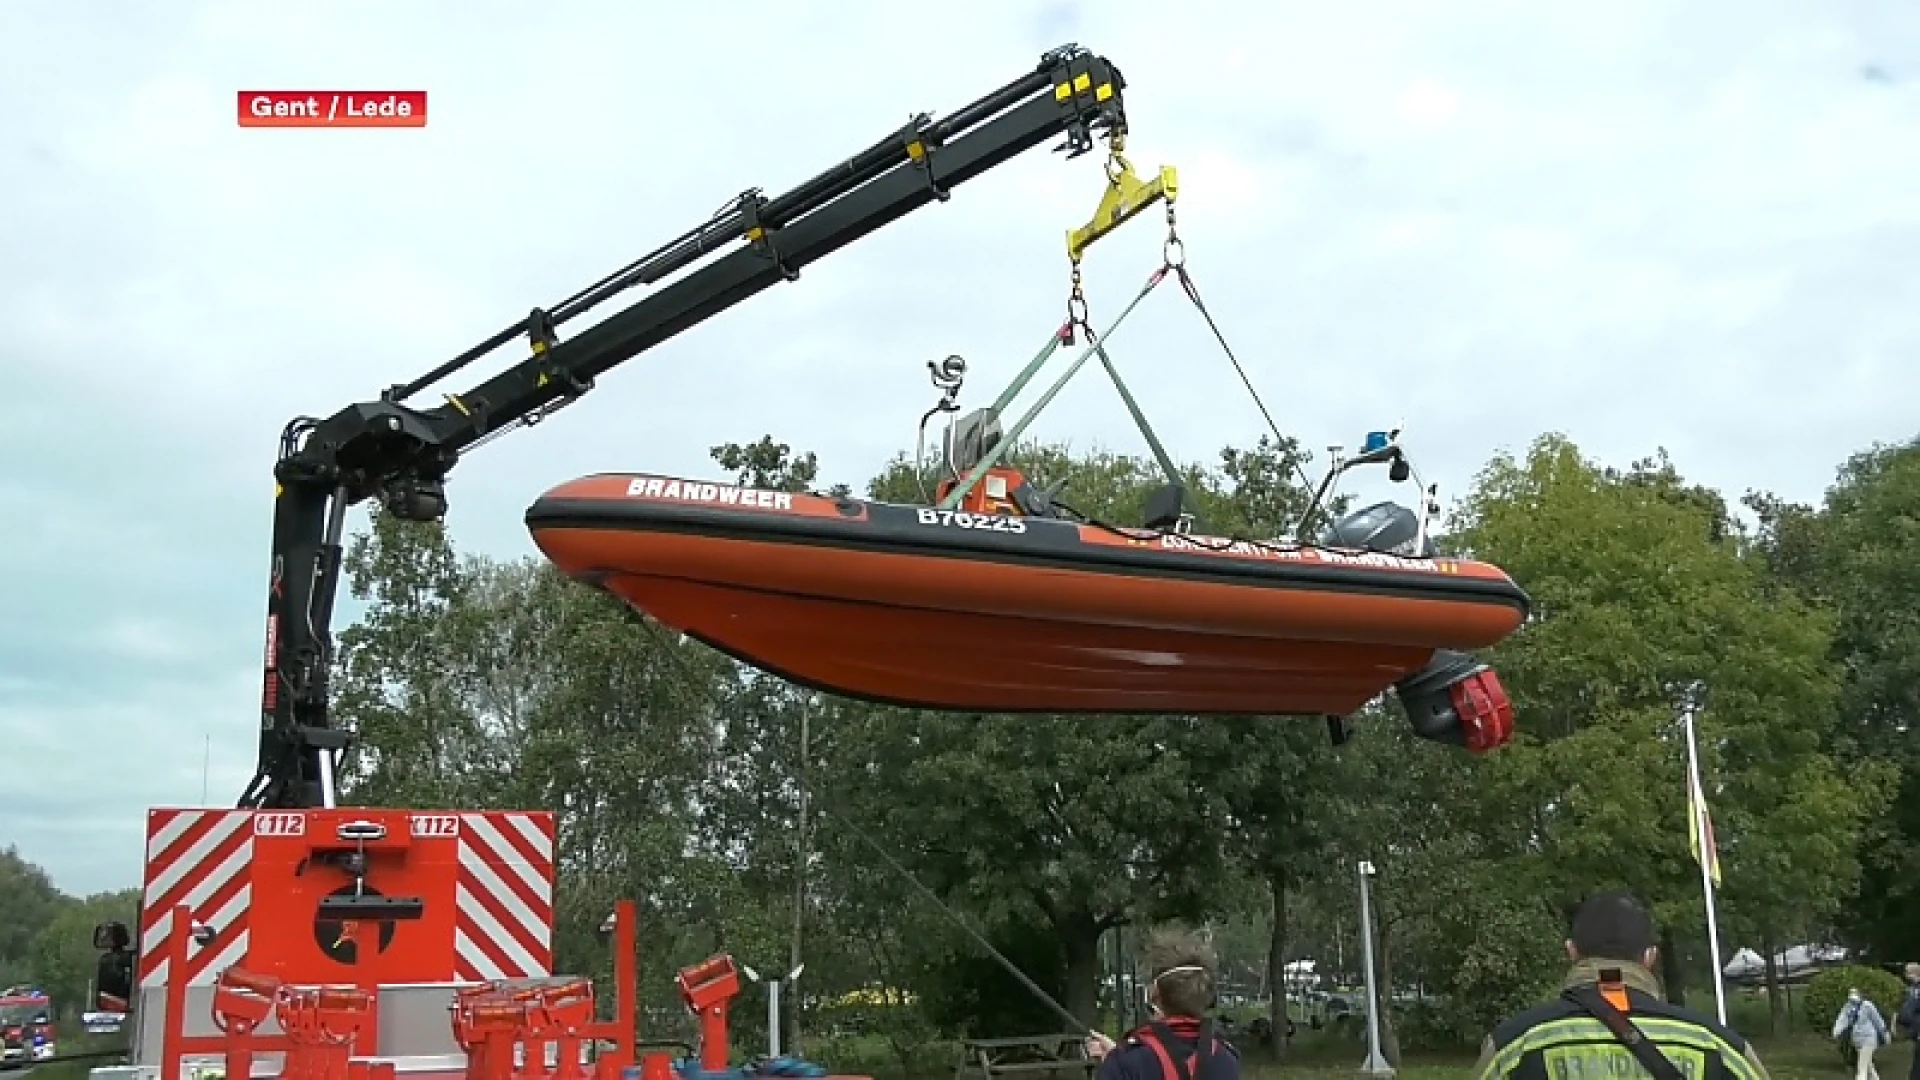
<point x="394" y="681"/>
<point x="28" y="903"/>
<point x="1019" y="818"/>
<point x="1860" y="555"/>
<point x="1649" y="602"/>
<point x="1456" y="912"/>
<point x="1276" y="776"/>
<point x="772" y="465"/>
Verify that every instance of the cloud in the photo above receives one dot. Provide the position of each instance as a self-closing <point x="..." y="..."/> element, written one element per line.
<point x="1643" y="224"/>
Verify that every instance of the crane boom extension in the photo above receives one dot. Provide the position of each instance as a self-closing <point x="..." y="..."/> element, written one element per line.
<point x="402" y="455"/>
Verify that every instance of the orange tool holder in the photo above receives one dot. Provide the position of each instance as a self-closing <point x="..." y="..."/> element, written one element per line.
<point x="321" y="1025"/>
<point x="557" y="1014"/>
<point x="495" y="1023"/>
<point x="242" y="1001"/>
<point x="487" y="1027"/>
<point x="491" y="1022"/>
<point x="707" y="987"/>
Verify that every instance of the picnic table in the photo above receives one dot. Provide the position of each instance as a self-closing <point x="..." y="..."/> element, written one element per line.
<point x="1028" y="1055"/>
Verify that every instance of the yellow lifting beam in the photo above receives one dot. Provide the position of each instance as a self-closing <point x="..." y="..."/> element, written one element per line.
<point x="1126" y="196"/>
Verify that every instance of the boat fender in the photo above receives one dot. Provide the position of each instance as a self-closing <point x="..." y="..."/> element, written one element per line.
<point x="1457" y="700"/>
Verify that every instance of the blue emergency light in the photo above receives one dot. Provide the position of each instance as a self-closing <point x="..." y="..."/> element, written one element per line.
<point x="1377" y="440"/>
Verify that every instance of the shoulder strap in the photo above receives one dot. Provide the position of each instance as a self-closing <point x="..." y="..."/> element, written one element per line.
<point x="1156" y="1036"/>
<point x="1206" y="1046"/>
<point x="1595" y="1004"/>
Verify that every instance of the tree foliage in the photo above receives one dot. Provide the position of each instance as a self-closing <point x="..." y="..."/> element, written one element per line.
<point x="1859" y="555"/>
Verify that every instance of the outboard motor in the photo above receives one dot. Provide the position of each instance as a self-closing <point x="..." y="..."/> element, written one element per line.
<point x="1385" y="527"/>
<point x="1458" y="700"/>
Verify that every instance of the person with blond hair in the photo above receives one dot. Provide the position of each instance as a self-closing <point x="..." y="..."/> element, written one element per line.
<point x="1179" y="1042"/>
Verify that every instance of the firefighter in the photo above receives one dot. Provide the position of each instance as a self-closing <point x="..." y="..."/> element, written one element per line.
<point x="1180" y="1042"/>
<point x="1612" y="1013"/>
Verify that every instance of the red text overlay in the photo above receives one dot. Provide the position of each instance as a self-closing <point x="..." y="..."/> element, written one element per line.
<point x="333" y="108"/>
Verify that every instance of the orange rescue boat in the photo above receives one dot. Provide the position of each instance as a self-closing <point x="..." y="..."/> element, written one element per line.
<point x="1005" y="612"/>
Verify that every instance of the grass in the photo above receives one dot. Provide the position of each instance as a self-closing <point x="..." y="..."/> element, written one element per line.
<point x="1800" y="1055"/>
<point x="1793" y="1057"/>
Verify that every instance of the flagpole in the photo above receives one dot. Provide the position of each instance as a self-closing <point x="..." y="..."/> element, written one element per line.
<point x="1696" y="803"/>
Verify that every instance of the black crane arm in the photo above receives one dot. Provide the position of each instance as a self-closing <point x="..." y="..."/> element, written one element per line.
<point x="402" y="454"/>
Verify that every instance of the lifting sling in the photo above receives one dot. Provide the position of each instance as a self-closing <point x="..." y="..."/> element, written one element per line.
<point x="1126" y="196"/>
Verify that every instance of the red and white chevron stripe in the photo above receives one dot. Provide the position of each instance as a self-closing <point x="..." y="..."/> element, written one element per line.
<point x="503" y="923"/>
<point x="198" y="858"/>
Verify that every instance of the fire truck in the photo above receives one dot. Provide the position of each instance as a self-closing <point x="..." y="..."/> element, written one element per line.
<point x="292" y="935"/>
<point x="26" y="1026"/>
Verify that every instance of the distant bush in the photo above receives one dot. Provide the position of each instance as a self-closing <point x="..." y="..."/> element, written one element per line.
<point x="1427" y="1025"/>
<point x="1828" y="992"/>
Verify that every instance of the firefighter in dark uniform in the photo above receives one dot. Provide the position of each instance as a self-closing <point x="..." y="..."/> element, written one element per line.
<point x="1180" y="1042"/>
<point x="1612" y="1014"/>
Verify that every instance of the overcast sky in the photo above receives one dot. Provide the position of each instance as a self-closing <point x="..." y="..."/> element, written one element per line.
<point x="1682" y="224"/>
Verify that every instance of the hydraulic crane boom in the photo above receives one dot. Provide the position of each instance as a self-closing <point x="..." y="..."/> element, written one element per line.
<point x="402" y="454"/>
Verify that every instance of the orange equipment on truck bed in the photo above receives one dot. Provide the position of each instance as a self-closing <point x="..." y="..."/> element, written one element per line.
<point x="413" y="899"/>
<point x="708" y="988"/>
<point x="509" y="1029"/>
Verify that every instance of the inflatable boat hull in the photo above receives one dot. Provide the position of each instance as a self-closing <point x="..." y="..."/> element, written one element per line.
<point x="926" y="608"/>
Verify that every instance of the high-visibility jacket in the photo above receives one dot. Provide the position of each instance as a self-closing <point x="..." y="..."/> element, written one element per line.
<point x="1561" y="1040"/>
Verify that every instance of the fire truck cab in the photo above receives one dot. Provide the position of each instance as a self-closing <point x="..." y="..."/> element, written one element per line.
<point x="26" y="1026"/>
